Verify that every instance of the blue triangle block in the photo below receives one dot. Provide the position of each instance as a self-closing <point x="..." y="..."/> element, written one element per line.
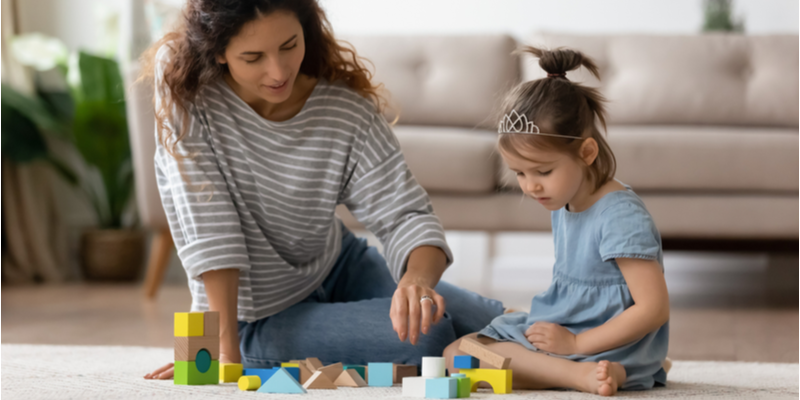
<point x="281" y="382"/>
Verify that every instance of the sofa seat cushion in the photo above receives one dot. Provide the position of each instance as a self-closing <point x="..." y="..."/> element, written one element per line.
<point x="450" y="160"/>
<point x="748" y="159"/>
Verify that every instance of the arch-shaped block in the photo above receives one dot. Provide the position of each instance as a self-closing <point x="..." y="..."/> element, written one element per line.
<point x="500" y="379"/>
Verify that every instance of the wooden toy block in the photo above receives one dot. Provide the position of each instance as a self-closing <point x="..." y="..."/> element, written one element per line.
<point x="230" y="372"/>
<point x="188" y="324"/>
<point x="381" y="374"/>
<point x="313" y="364"/>
<point x="414" y="386"/>
<point x="211" y="323"/>
<point x="249" y="382"/>
<point x="464" y="385"/>
<point x="293" y="371"/>
<point x="281" y="382"/>
<point x="263" y="373"/>
<point x="319" y="381"/>
<point x="468" y="362"/>
<point x="186" y="347"/>
<point x="333" y="371"/>
<point x="433" y="367"/>
<point x="362" y="370"/>
<point x="401" y="371"/>
<point x="500" y="379"/>
<point x="290" y="364"/>
<point x="350" y="378"/>
<point x="189" y="373"/>
<point x="478" y="350"/>
<point x="305" y="373"/>
<point x="441" y="388"/>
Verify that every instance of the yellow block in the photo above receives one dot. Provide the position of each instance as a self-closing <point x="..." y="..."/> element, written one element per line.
<point x="230" y="372"/>
<point x="500" y="379"/>
<point x="290" y="365"/>
<point x="249" y="383"/>
<point x="188" y="324"/>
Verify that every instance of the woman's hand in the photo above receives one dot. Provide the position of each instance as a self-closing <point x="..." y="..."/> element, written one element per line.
<point x="552" y="338"/>
<point x="164" y="372"/>
<point x="409" y="315"/>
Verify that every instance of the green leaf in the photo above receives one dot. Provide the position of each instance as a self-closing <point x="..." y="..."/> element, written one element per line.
<point x="34" y="109"/>
<point x="22" y="141"/>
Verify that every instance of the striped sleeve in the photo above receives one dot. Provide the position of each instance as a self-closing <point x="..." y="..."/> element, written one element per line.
<point x="384" y="196"/>
<point x="203" y="219"/>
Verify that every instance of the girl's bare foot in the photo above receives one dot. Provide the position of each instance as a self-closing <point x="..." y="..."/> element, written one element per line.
<point x="603" y="378"/>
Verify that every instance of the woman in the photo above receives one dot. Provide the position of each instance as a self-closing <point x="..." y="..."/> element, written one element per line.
<point x="264" y="125"/>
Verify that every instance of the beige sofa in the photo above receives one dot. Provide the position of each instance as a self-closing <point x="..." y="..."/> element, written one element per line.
<point x="705" y="129"/>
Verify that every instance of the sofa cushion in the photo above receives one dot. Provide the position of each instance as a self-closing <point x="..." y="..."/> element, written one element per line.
<point x="700" y="158"/>
<point x="442" y="80"/>
<point x="451" y="160"/>
<point x="721" y="79"/>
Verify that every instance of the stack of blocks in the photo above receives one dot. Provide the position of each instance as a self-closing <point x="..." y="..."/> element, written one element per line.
<point x="500" y="378"/>
<point x="196" y="348"/>
<point x="433" y="384"/>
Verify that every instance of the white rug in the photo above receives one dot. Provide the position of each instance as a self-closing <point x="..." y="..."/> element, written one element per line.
<point x="112" y="372"/>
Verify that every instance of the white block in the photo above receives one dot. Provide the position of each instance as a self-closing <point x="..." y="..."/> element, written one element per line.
<point x="414" y="386"/>
<point x="433" y="367"/>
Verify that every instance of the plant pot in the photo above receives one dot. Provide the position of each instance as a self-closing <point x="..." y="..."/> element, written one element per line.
<point x="112" y="254"/>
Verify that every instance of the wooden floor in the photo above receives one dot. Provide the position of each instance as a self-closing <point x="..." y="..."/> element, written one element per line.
<point x="92" y="314"/>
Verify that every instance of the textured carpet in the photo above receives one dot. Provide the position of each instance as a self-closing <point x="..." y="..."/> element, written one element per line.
<point x="111" y="372"/>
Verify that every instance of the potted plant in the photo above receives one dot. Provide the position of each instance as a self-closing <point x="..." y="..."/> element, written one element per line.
<point x="97" y="128"/>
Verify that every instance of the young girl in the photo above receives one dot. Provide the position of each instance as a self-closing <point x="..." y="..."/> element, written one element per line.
<point x="603" y="323"/>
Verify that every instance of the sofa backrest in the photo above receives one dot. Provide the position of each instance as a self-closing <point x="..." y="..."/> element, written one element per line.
<point x="442" y="80"/>
<point x="714" y="79"/>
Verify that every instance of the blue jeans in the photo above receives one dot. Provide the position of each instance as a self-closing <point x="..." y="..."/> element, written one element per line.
<point x="347" y="318"/>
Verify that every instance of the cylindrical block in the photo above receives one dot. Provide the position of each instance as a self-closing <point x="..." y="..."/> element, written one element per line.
<point x="251" y="382"/>
<point x="433" y="367"/>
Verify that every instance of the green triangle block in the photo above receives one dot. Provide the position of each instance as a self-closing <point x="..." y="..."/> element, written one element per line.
<point x="281" y="382"/>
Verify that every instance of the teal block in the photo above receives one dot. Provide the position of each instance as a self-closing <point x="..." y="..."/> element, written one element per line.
<point x="362" y="370"/>
<point x="381" y="374"/>
<point x="466" y="362"/>
<point x="441" y="388"/>
<point x="281" y="382"/>
<point x="293" y="371"/>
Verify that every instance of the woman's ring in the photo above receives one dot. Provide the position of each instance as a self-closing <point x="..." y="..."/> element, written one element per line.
<point x="423" y="298"/>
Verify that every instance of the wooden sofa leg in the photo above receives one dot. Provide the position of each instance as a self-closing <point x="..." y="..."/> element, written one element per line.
<point x="160" y="250"/>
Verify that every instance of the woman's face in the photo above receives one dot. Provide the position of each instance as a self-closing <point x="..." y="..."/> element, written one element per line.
<point x="264" y="58"/>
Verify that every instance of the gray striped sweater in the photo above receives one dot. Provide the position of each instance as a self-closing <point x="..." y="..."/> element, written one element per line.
<point x="260" y="195"/>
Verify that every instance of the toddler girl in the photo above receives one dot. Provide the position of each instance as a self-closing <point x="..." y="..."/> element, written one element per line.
<point x="603" y="323"/>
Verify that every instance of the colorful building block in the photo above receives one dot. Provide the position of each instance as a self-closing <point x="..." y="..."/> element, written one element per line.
<point x="293" y="371"/>
<point x="414" y="386"/>
<point x="189" y="324"/>
<point x="290" y="364"/>
<point x="350" y="378"/>
<point x="441" y="388"/>
<point x="282" y="382"/>
<point x="500" y="379"/>
<point x="186" y="347"/>
<point x="249" y="383"/>
<point x="433" y="367"/>
<point x="263" y="373"/>
<point x="468" y="362"/>
<point x="464" y="385"/>
<point x="483" y="353"/>
<point x="313" y="364"/>
<point x="305" y="373"/>
<point x="333" y="371"/>
<point x="189" y="373"/>
<point x="401" y="371"/>
<point x="362" y="370"/>
<point x="381" y="374"/>
<point x="230" y="372"/>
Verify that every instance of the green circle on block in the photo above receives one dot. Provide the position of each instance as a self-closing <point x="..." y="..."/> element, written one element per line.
<point x="203" y="360"/>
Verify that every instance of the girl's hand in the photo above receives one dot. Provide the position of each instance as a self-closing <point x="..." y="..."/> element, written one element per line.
<point x="552" y="338"/>
<point x="164" y="372"/>
<point x="409" y="315"/>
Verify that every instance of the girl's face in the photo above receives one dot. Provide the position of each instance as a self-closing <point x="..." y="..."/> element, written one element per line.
<point x="264" y="58"/>
<point x="554" y="179"/>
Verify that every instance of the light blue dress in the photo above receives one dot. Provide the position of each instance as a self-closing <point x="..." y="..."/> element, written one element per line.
<point x="588" y="288"/>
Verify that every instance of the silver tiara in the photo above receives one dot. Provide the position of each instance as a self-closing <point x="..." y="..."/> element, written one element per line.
<point x="516" y="123"/>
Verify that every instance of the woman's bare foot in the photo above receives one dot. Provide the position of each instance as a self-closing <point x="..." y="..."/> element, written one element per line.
<point x="603" y="378"/>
